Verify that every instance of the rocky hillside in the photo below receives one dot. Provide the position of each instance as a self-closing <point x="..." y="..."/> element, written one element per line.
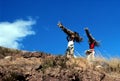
<point x="16" y="65"/>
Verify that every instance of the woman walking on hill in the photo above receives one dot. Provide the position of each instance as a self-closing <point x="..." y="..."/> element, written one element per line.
<point x="71" y="38"/>
<point x="92" y="43"/>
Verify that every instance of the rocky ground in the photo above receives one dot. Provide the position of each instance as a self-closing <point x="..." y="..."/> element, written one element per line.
<point x="16" y="65"/>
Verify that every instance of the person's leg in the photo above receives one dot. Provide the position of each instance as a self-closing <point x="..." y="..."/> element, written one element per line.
<point x="90" y="55"/>
<point x="93" y="56"/>
<point x="68" y="55"/>
<point x="70" y="49"/>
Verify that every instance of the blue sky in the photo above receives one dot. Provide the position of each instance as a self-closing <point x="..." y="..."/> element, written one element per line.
<point x="36" y="21"/>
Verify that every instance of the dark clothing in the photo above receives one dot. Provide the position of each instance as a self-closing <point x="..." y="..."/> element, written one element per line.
<point x="91" y="40"/>
<point x="71" y="35"/>
<point x="70" y="38"/>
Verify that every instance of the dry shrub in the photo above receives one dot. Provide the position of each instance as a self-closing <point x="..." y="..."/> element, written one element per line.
<point x="114" y="65"/>
<point x="14" y="76"/>
<point x="109" y="65"/>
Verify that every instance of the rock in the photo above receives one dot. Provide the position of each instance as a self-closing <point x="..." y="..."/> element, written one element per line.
<point x="9" y="58"/>
<point x="40" y="66"/>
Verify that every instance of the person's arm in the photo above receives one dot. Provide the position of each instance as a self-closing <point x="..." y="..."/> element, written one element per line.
<point x="67" y="31"/>
<point x="91" y="39"/>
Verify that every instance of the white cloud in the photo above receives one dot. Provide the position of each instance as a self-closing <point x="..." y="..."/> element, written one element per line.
<point x="12" y="33"/>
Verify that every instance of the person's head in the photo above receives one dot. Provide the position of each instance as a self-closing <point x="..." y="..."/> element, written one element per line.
<point x="77" y="37"/>
<point x="72" y="37"/>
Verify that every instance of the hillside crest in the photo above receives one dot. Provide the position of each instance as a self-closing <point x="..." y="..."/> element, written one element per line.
<point x="17" y="65"/>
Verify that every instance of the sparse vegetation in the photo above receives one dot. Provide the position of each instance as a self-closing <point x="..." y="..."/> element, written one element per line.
<point x="8" y="52"/>
<point x="45" y="67"/>
<point x="14" y="76"/>
<point x="114" y="65"/>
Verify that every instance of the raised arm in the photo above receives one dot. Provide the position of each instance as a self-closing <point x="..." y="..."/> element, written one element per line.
<point x="67" y="31"/>
<point x="91" y="39"/>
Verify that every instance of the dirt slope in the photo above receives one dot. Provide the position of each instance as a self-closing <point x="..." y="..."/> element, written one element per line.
<point x="16" y="65"/>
